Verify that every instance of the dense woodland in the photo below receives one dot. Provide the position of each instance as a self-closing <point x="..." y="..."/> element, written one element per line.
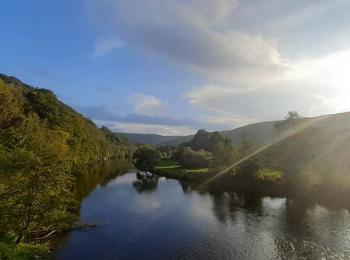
<point x="45" y="146"/>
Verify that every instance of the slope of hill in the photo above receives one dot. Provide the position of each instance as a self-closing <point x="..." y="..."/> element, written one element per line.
<point x="318" y="146"/>
<point x="259" y="133"/>
<point x="87" y="142"/>
<point x="155" y="139"/>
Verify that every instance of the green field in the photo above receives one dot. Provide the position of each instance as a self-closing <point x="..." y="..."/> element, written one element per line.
<point x="172" y="169"/>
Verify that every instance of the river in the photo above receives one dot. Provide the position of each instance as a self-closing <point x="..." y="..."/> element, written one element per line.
<point x="166" y="219"/>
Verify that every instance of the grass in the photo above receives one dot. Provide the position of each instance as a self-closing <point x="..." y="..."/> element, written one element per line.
<point x="269" y="175"/>
<point x="201" y="170"/>
<point x="168" y="164"/>
<point x="172" y="169"/>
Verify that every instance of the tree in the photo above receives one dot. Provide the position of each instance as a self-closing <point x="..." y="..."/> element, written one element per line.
<point x="146" y="158"/>
<point x="36" y="195"/>
<point x="219" y="146"/>
<point x="292" y="115"/>
<point x="35" y="180"/>
<point x="194" y="159"/>
<point x="290" y="120"/>
<point x="247" y="169"/>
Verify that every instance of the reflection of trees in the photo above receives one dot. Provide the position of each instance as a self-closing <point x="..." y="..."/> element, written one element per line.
<point x="87" y="178"/>
<point x="296" y="216"/>
<point x="100" y="174"/>
<point x="145" y="182"/>
<point x="306" y="249"/>
<point x="225" y="204"/>
<point x="186" y="186"/>
<point x="315" y="227"/>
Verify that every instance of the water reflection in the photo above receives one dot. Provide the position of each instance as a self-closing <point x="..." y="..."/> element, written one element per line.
<point x="145" y="182"/>
<point x="91" y="176"/>
<point x="162" y="219"/>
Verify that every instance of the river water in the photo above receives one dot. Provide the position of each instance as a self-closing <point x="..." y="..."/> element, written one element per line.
<point x="166" y="219"/>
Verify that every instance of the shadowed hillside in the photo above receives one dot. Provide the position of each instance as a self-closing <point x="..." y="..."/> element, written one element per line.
<point x="320" y="146"/>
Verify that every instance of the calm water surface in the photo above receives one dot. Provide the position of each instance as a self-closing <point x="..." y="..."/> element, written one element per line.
<point x="165" y="219"/>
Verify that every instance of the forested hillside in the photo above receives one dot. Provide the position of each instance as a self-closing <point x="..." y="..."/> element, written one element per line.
<point x="86" y="142"/>
<point x="43" y="144"/>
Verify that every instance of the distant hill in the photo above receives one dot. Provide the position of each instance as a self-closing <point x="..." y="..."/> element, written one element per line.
<point x="259" y="133"/>
<point x="155" y="139"/>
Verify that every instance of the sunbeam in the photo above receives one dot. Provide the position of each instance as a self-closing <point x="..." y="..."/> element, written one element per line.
<point x="279" y="138"/>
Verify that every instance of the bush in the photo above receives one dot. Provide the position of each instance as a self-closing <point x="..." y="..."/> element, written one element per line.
<point x="194" y="159"/>
<point x="269" y="175"/>
<point x="247" y="169"/>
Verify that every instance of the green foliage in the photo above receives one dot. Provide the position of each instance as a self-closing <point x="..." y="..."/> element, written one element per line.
<point x="269" y="175"/>
<point x="21" y="251"/>
<point x="34" y="179"/>
<point x="86" y="142"/>
<point x="42" y="141"/>
<point x="194" y="159"/>
<point x="248" y="169"/>
<point x="166" y="151"/>
<point x="146" y="158"/>
<point x="221" y="148"/>
<point x="168" y="164"/>
<point x="172" y="169"/>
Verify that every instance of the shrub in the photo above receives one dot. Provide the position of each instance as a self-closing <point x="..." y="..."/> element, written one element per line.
<point x="194" y="159"/>
<point x="146" y="158"/>
<point x="269" y="175"/>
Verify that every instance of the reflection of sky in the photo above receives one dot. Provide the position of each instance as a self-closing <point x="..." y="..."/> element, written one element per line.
<point x="167" y="223"/>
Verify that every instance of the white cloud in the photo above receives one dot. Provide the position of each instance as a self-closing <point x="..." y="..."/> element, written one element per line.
<point x="229" y="120"/>
<point x="308" y="12"/>
<point x="145" y="104"/>
<point x="192" y="33"/>
<point x="105" y="46"/>
<point x="328" y="78"/>
<point x="151" y="129"/>
<point x="247" y="75"/>
<point x="313" y="85"/>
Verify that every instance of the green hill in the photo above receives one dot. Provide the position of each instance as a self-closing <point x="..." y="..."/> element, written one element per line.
<point x="318" y="146"/>
<point x="260" y="133"/>
<point x="87" y="142"/>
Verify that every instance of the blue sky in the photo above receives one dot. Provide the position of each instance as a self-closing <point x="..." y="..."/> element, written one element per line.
<point x="173" y="66"/>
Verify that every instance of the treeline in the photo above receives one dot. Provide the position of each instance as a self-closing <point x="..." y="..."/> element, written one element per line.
<point x="43" y="144"/>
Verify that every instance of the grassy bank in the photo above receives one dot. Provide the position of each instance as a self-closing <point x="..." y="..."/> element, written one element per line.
<point x="172" y="169"/>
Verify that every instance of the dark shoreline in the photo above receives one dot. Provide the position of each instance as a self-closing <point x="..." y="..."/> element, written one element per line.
<point x="331" y="198"/>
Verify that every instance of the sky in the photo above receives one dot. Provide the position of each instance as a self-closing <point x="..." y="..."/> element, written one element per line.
<point x="173" y="66"/>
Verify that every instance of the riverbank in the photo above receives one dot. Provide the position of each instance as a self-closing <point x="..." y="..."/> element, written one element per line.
<point x="266" y="182"/>
<point x="173" y="170"/>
